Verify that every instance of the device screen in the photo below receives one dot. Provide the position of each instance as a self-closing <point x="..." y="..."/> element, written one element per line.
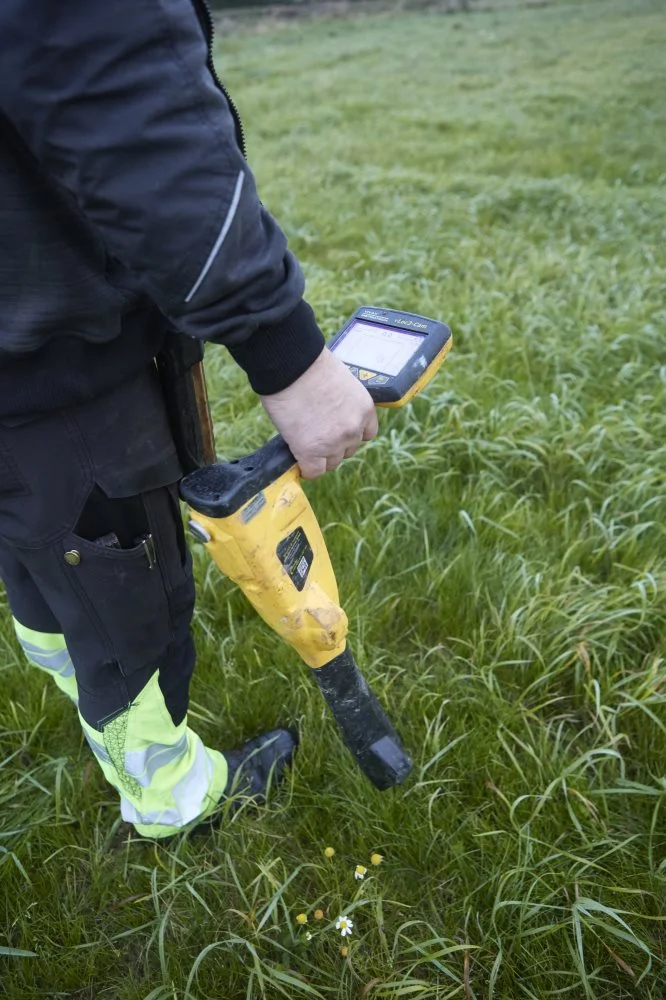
<point x="377" y="348"/>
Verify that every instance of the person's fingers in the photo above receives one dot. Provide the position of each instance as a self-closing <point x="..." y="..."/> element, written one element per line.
<point x="334" y="461"/>
<point x="371" y="426"/>
<point x="324" y="415"/>
<point x="311" y="468"/>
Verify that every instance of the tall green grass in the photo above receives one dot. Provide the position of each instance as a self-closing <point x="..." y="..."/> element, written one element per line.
<point x="499" y="547"/>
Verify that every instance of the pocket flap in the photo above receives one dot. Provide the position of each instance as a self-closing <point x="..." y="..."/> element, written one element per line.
<point x="129" y="440"/>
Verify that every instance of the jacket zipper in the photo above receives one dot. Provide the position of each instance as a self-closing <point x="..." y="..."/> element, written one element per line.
<point x="208" y="26"/>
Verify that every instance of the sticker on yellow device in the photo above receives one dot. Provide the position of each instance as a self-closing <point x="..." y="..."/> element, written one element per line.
<point x="295" y="554"/>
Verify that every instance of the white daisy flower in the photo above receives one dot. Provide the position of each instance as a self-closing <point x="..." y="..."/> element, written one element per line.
<point x="359" y="872"/>
<point x="344" y="925"/>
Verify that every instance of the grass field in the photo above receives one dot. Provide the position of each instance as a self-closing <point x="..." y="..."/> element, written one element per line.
<point x="500" y="552"/>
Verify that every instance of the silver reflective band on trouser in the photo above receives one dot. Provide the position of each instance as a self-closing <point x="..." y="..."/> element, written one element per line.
<point x="58" y="661"/>
<point x="226" y="226"/>
<point x="142" y="764"/>
<point x="97" y="748"/>
<point x="189" y="796"/>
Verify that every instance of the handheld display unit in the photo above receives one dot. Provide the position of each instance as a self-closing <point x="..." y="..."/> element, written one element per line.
<point x="394" y="354"/>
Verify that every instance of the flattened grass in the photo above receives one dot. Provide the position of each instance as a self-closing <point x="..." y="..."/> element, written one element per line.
<point x="499" y="548"/>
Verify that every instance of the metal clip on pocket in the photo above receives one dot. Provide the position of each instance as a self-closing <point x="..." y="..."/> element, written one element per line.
<point x="148" y="543"/>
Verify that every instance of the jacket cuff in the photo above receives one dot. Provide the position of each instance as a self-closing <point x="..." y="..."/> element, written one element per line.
<point x="276" y="355"/>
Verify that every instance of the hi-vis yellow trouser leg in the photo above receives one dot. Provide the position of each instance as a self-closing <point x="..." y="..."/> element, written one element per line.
<point x="48" y="651"/>
<point x="164" y="774"/>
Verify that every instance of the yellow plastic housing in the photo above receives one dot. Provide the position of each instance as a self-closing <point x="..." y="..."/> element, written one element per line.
<point x="244" y="547"/>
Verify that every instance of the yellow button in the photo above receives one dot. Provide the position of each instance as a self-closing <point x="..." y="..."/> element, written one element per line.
<point x="364" y="375"/>
<point x="73" y="557"/>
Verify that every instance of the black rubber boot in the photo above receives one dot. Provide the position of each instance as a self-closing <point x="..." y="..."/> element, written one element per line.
<point x="259" y="763"/>
<point x="253" y="768"/>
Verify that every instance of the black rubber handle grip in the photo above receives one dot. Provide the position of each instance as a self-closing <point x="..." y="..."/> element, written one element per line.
<point x="221" y="489"/>
<point x="365" y="726"/>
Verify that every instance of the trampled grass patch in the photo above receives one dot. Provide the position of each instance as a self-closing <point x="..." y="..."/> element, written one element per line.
<point x="499" y="548"/>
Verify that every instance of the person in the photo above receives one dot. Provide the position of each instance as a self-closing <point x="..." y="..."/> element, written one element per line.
<point x="128" y="212"/>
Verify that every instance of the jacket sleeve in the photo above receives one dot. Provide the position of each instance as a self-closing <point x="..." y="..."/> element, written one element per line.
<point x="116" y="101"/>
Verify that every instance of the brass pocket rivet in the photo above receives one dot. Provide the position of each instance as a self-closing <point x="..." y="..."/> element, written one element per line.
<point x="73" y="558"/>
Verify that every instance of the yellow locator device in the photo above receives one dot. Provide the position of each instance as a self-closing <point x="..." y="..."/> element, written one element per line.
<point x="255" y="520"/>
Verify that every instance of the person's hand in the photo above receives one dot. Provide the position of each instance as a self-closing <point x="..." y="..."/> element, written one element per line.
<point x="323" y="416"/>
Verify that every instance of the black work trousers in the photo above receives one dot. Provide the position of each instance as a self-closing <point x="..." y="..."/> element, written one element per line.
<point x="92" y="545"/>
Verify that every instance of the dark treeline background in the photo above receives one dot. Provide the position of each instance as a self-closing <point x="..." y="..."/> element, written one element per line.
<point x="222" y="5"/>
<point x="219" y="6"/>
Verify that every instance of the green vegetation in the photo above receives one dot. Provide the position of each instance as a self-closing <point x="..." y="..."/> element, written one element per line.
<point x="500" y="551"/>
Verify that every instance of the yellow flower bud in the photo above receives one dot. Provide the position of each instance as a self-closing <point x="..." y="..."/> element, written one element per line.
<point x="319" y="914"/>
<point x="376" y="859"/>
<point x="344" y="951"/>
<point x="301" y="918"/>
<point x="329" y="852"/>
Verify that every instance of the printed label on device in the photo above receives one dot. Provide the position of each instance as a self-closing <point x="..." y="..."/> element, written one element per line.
<point x="251" y="509"/>
<point x="295" y="554"/>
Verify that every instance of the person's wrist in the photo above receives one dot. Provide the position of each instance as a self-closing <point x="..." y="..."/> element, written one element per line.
<point x="278" y="354"/>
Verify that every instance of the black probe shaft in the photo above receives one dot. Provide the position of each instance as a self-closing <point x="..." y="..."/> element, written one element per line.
<point x="365" y="727"/>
